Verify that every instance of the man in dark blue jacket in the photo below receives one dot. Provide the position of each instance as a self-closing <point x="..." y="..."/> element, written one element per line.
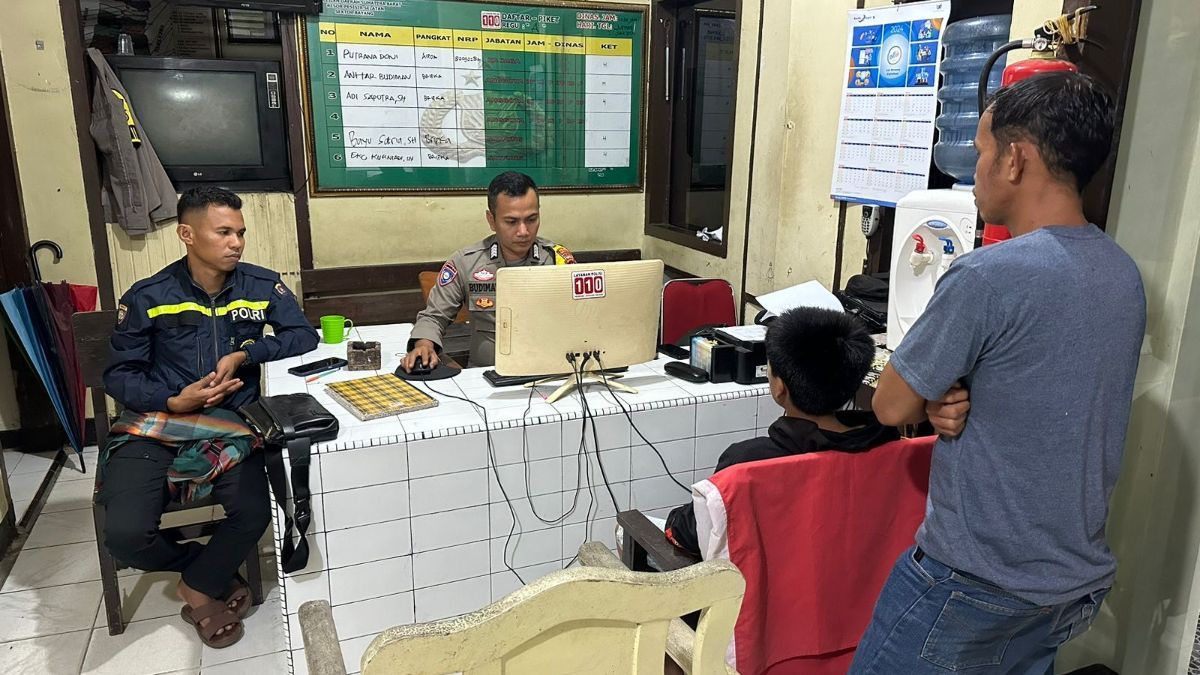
<point x="190" y="340"/>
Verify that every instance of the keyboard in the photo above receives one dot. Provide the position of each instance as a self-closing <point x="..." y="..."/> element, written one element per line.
<point x="497" y="380"/>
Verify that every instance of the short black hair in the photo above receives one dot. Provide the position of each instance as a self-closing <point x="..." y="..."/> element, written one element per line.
<point x="1068" y="116"/>
<point x="821" y="355"/>
<point x="511" y="184"/>
<point x="200" y="198"/>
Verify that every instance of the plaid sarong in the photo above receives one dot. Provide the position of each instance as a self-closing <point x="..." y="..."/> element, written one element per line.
<point x="206" y="445"/>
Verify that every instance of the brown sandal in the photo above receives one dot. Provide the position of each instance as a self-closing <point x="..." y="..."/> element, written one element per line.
<point x="218" y="615"/>
<point x="239" y="595"/>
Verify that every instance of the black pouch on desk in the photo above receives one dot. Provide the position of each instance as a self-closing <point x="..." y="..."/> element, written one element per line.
<point x="294" y="421"/>
<point x="867" y="298"/>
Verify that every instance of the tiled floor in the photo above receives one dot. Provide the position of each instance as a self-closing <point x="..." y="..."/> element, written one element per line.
<point x="51" y="612"/>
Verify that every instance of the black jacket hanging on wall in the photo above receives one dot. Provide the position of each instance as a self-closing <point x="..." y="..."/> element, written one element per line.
<point x="137" y="191"/>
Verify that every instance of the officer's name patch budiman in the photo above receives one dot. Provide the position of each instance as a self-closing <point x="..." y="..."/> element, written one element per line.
<point x="448" y="274"/>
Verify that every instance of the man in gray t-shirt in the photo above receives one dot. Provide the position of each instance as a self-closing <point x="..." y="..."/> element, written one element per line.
<point x="1043" y="332"/>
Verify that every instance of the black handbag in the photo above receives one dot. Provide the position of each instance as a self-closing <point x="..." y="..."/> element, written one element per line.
<point x="295" y="422"/>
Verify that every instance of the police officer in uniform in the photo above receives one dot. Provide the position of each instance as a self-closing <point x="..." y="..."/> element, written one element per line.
<point x="188" y="339"/>
<point x="469" y="276"/>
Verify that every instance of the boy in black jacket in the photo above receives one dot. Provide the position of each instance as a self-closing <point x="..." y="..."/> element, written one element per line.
<point x="816" y="360"/>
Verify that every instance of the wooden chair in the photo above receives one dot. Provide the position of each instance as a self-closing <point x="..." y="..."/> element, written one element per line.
<point x="600" y="618"/>
<point x="92" y="333"/>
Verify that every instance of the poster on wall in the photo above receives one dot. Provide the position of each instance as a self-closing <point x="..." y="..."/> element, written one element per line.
<point x="441" y="95"/>
<point x="889" y="102"/>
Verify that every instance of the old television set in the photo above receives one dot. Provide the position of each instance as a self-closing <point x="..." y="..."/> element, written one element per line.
<point x="211" y="121"/>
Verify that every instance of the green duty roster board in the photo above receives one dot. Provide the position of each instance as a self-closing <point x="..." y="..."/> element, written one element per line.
<point x="437" y="95"/>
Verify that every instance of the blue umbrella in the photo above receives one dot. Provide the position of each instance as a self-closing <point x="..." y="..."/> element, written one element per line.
<point x="26" y="328"/>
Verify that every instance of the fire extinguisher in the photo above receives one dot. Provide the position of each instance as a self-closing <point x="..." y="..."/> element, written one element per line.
<point x="1066" y="29"/>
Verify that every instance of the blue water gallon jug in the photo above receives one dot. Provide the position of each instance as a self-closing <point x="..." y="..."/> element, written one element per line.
<point x="968" y="44"/>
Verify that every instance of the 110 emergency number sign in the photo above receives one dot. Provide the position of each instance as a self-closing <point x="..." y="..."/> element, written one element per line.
<point x="587" y="284"/>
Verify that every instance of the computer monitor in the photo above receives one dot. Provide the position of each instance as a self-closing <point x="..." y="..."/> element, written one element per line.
<point x="545" y="313"/>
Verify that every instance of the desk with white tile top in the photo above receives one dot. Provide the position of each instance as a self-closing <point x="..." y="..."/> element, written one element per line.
<point x="409" y="520"/>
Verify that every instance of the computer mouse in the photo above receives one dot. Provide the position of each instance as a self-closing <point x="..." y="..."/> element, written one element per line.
<point x="685" y="371"/>
<point x="419" y="368"/>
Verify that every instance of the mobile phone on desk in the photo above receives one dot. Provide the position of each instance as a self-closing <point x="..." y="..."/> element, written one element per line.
<point x="673" y="351"/>
<point x="317" y="366"/>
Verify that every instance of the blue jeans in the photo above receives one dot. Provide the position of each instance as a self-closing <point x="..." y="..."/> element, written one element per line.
<point x="931" y="619"/>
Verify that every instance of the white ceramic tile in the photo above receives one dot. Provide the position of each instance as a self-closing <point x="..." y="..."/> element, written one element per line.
<point x="616" y="468"/>
<point x="23" y="487"/>
<point x="449" y="492"/>
<point x="48" y="611"/>
<point x="148" y="595"/>
<point x="667" y="424"/>
<point x="36" y="463"/>
<point x="53" y="566"/>
<point x="656" y="493"/>
<point x="299" y="665"/>
<point x="612" y="430"/>
<point x="768" y="410"/>
<point x="680" y="457"/>
<point x="11" y="459"/>
<point x="264" y="635"/>
<point x="369" y="580"/>
<point x="300" y="588"/>
<point x="506" y="582"/>
<point x="602" y="530"/>
<point x="449" y="454"/>
<point x="68" y="496"/>
<point x="268" y="664"/>
<point x="363" y="467"/>
<point x="451" y="564"/>
<point x="531" y="514"/>
<point x="50" y="654"/>
<point x="365" y="506"/>
<point x="369" y="543"/>
<point x="440" y="602"/>
<point x="371" y="617"/>
<point x="352" y="652"/>
<point x="602" y="501"/>
<point x="532" y="442"/>
<point x="544" y="477"/>
<point x="724" y="416"/>
<point x="450" y="528"/>
<point x="527" y="548"/>
<point x="66" y="527"/>
<point x="709" y="448"/>
<point x="145" y="648"/>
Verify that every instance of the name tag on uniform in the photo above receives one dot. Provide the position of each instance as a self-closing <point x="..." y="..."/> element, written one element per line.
<point x="247" y="314"/>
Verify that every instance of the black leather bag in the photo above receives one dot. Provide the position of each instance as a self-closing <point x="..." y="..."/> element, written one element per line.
<point x="294" y="422"/>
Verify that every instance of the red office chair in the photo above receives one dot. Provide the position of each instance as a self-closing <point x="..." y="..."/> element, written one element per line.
<point x="688" y="304"/>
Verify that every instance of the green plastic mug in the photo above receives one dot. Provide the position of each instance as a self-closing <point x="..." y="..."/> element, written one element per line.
<point x="335" y="328"/>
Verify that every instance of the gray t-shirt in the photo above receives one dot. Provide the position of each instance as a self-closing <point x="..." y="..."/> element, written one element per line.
<point x="1044" y="330"/>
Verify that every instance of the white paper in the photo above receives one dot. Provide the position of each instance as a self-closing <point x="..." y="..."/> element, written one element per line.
<point x="807" y="294"/>
<point x="745" y="333"/>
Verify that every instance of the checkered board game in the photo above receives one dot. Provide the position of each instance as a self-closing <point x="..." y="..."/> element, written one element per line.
<point x="378" y="396"/>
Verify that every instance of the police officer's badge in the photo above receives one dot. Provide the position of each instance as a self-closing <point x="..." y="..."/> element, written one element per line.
<point x="122" y="312"/>
<point x="448" y="274"/>
<point x="282" y="290"/>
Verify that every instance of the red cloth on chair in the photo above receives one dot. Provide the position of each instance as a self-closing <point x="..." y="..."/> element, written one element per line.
<point x="831" y="525"/>
<point x="688" y="304"/>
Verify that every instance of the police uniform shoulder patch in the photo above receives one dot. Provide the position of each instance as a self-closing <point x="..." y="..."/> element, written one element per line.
<point x="282" y="290"/>
<point x="448" y="274"/>
<point x="122" y="314"/>
<point x="562" y="256"/>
